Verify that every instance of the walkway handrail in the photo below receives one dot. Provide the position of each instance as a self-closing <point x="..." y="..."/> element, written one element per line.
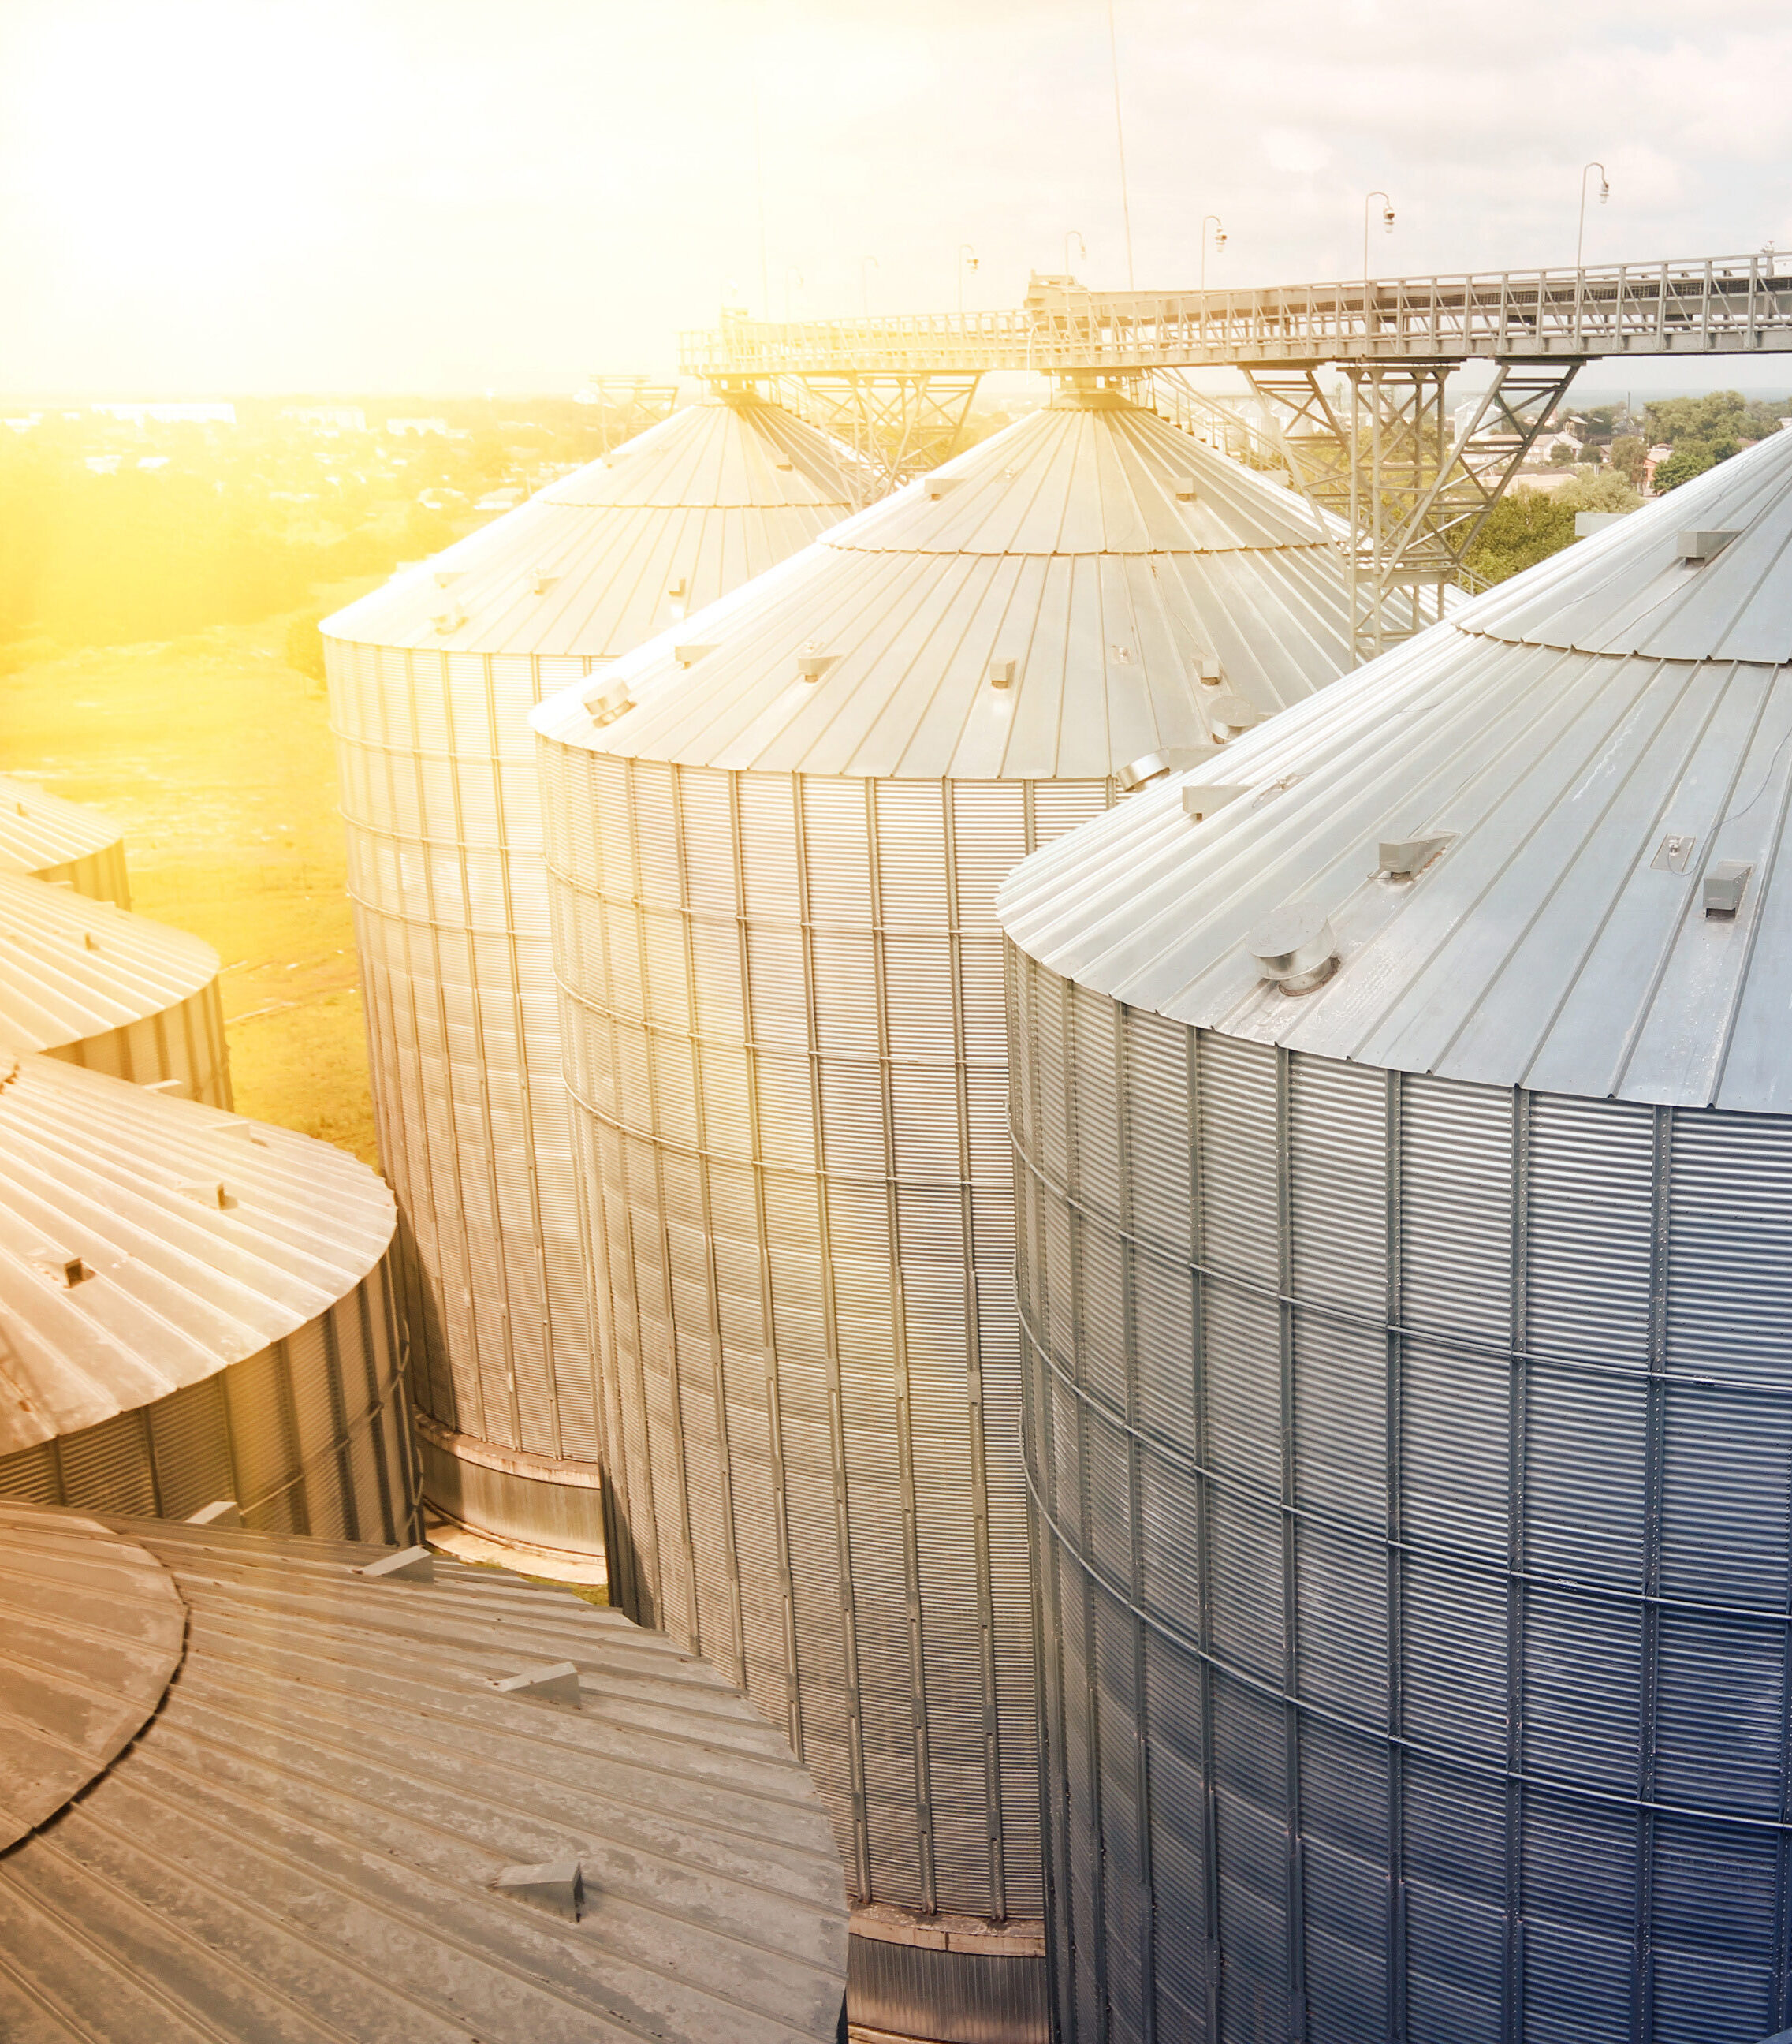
<point x="1707" y="305"/>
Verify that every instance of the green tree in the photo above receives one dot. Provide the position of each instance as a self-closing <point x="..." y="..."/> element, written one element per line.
<point x="1628" y="453"/>
<point x="1527" y="526"/>
<point x="1688" y="459"/>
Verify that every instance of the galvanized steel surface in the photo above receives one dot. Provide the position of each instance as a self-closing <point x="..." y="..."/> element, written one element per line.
<point x="42" y="835"/>
<point x="1576" y="801"/>
<point x="783" y="1042"/>
<point x="91" y="1627"/>
<point x="304" y="1840"/>
<point x="146" y="1243"/>
<point x="431" y="682"/>
<point x="1410" y="1462"/>
<point x="1105" y="554"/>
<point x="100" y="987"/>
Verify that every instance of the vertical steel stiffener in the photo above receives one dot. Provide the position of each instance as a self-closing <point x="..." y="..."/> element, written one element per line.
<point x="1408" y="1385"/>
<point x="774" y="880"/>
<point x="431" y="682"/>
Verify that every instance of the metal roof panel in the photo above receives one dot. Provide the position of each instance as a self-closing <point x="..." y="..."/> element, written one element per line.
<point x="1552" y="943"/>
<point x="1064" y="549"/>
<point x="122" y="1279"/>
<point x="91" y="1629"/>
<point x="39" y="831"/>
<point x="306" y="1841"/>
<point x="709" y="496"/>
<point x="71" y="967"/>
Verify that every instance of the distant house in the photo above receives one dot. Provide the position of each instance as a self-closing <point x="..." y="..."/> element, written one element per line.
<point x="1652" y="461"/>
<point x="211" y="414"/>
<point x="398" y="428"/>
<point x="506" y="499"/>
<point x="329" y="420"/>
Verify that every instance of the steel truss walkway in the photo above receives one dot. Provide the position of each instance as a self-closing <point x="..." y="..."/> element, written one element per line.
<point x="1413" y="491"/>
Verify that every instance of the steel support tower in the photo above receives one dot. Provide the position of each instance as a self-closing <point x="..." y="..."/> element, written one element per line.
<point x="1409" y="489"/>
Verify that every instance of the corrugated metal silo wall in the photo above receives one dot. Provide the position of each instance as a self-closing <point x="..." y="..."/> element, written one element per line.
<point x="785" y="1047"/>
<point x="185" y="1043"/>
<point x="308" y="1435"/>
<point x="1412" y="1463"/>
<point x="451" y="907"/>
<point x="100" y="875"/>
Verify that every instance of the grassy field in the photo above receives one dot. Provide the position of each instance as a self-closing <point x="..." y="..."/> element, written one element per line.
<point x="215" y="758"/>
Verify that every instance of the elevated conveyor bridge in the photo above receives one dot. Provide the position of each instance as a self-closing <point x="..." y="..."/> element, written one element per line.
<point x="1413" y="485"/>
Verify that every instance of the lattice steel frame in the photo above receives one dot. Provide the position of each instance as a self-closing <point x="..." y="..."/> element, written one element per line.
<point x="900" y="424"/>
<point x="1413" y="492"/>
<point x="622" y="406"/>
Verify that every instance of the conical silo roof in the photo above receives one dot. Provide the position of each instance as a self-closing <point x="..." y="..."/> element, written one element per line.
<point x="42" y="836"/>
<point x="71" y="968"/>
<point x="593" y="564"/>
<point x="147" y="1243"/>
<point x="353" y="1807"/>
<point x="94" y="1629"/>
<point x="1130" y="584"/>
<point x="1544" y="834"/>
<point x="431" y="682"/>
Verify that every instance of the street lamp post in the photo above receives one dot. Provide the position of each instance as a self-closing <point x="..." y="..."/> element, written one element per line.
<point x="867" y="264"/>
<point x="967" y="260"/>
<point x="1386" y="223"/>
<point x="1082" y="249"/>
<point x="1605" y="194"/>
<point x="1219" y="242"/>
<point x="791" y="272"/>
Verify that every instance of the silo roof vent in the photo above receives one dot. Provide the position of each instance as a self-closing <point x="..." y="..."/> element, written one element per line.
<point x="610" y="703"/>
<point x="1153" y="767"/>
<point x="1185" y="490"/>
<point x="1401" y="858"/>
<point x="942" y="486"/>
<point x="555" y="1685"/>
<point x="1705" y="544"/>
<point x="1001" y="674"/>
<point x="1230" y="714"/>
<point x="688" y="656"/>
<point x="1201" y="802"/>
<point x="812" y="664"/>
<point x="1294" y="945"/>
<point x="1724" y="886"/>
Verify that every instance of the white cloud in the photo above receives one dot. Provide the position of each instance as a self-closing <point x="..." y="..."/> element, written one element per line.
<point x="1296" y="150"/>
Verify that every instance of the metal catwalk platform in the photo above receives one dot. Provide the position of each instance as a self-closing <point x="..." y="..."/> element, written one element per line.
<point x="1413" y="484"/>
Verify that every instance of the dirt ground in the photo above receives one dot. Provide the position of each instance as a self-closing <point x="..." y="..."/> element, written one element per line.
<point x="215" y="758"/>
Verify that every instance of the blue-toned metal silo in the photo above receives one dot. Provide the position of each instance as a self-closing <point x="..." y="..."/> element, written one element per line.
<point x="1403" y="1126"/>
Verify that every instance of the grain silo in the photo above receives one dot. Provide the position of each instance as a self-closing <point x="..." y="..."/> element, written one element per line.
<point x="255" y="1787"/>
<point x="1403" y="1134"/>
<point x="193" y="1308"/>
<point x="50" y="839"/>
<point x="773" y="887"/>
<point x="95" y="984"/>
<point x="431" y="680"/>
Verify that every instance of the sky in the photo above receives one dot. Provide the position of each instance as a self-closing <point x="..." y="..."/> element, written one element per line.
<point x="458" y="195"/>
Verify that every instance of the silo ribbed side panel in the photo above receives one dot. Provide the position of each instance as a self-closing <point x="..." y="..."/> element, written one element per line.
<point x="100" y="875"/>
<point x="307" y="1435"/>
<point x="444" y="854"/>
<point x="1412" y="1468"/>
<point x="784" y="1045"/>
<point x="184" y="1044"/>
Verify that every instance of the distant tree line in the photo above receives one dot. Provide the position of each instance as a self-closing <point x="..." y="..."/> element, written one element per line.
<point x="88" y="559"/>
